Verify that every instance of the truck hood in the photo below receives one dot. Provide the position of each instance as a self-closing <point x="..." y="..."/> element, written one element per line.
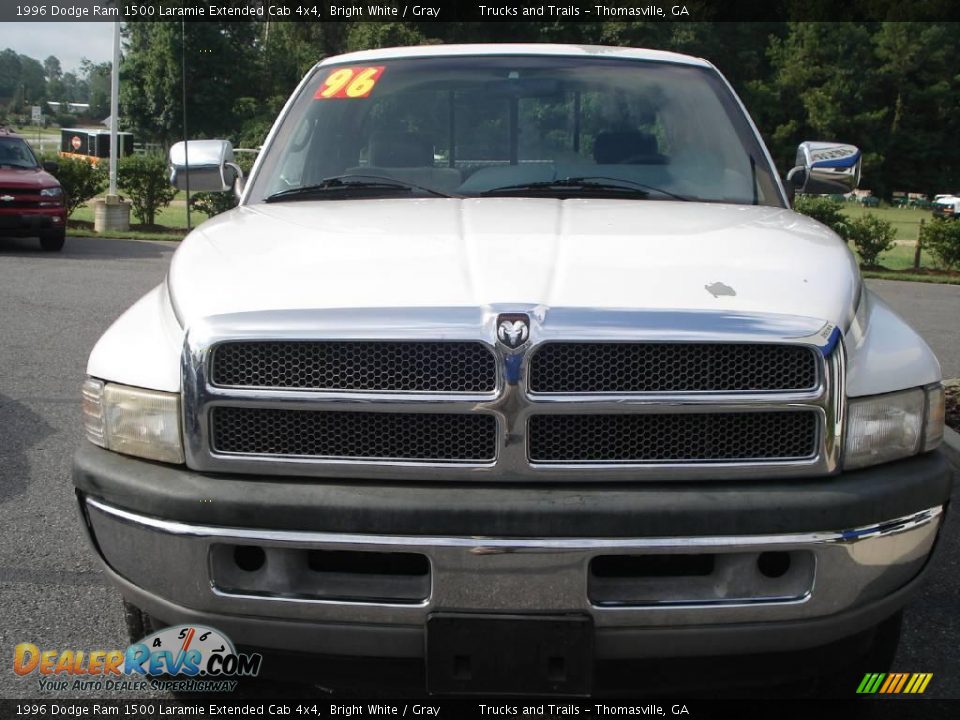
<point x="438" y="252"/>
<point x="26" y="179"/>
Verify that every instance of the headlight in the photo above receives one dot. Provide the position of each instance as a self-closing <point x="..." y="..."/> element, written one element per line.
<point x="887" y="427"/>
<point x="51" y="196"/>
<point x="134" y="421"/>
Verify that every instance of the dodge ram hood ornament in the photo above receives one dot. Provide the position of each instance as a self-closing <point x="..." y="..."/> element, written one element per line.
<point x="513" y="330"/>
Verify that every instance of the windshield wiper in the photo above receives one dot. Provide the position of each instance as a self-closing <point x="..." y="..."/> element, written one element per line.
<point x="349" y="185"/>
<point x="587" y="182"/>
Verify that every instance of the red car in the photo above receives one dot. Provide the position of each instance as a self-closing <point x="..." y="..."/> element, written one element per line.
<point x="31" y="199"/>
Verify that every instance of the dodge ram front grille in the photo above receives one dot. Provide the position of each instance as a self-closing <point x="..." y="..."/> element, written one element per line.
<point x="357" y="435"/>
<point x="610" y="367"/>
<point x="426" y="394"/>
<point x="375" y="366"/>
<point x="684" y="437"/>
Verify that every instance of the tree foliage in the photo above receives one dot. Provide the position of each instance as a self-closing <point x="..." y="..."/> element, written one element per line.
<point x="825" y="210"/>
<point x="941" y="237"/>
<point x="80" y="181"/>
<point x="145" y="179"/>
<point x="871" y="236"/>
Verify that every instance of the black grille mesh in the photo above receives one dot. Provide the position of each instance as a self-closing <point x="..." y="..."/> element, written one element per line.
<point x="670" y="367"/>
<point x="401" y="436"/>
<point x="466" y="367"/>
<point x="682" y="437"/>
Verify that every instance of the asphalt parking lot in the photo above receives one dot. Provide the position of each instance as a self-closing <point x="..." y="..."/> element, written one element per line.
<point x="52" y="593"/>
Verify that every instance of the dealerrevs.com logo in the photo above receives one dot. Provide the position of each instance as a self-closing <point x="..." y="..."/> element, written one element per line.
<point x="184" y="658"/>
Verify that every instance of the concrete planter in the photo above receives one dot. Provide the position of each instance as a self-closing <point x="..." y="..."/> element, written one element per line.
<point x="111" y="213"/>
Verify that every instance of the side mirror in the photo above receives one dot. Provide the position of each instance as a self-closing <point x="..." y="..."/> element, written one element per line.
<point x="50" y="166"/>
<point x="824" y="168"/>
<point x="208" y="164"/>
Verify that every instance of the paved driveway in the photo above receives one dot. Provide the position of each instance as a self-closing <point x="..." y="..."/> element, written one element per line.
<point x="52" y="310"/>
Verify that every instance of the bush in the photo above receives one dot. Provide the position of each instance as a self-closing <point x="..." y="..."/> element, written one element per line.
<point x="145" y="179"/>
<point x="80" y="181"/>
<point x="214" y="203"/>
<point x="823" y="209"/>
<point x="941" y="237"/>
<point x="871" y="236"/>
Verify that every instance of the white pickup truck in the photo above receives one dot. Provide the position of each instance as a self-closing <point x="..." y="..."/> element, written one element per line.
<point x="515" y="363"/>
<point x="946" y="206"/>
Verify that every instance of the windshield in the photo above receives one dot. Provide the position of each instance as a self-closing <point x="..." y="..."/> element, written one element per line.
<point x="518" y="126"/>
<point x="15" y="153"/>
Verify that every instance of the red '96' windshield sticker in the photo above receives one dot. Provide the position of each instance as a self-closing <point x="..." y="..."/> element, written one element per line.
<point x="349" y="82"/>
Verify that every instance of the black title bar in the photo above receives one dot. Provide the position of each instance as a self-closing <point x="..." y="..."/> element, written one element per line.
<point x="485" y="709"/>
<point x="472" y="10"/>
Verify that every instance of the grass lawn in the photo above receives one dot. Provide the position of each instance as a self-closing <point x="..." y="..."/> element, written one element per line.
<point x="906" y="221"/>
<point x="173" y="217"/>
<point x="897" y="263"/>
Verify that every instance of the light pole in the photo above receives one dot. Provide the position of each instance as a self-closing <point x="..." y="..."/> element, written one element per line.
<point x="111" y="213"/>
<point x="183" y="103"/>
<point x="114" y="109"/>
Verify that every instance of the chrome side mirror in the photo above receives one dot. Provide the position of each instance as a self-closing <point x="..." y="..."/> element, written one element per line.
<point x="824" y="168"/>
<point x="208" y="164"/>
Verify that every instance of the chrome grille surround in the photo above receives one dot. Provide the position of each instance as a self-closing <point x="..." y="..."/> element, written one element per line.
<point x="513" y="405"/>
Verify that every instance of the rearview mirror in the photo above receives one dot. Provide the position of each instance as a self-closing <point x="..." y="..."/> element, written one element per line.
<point x="824" y="168"/>
<point x="51" y="166"/>
<point x="208" y="165"/>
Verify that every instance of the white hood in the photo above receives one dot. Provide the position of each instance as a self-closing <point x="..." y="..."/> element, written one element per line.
<point x="496" y="251"/>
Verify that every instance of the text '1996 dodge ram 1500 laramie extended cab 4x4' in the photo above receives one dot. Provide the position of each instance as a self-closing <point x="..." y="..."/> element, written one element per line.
<point x="514" y="360"/>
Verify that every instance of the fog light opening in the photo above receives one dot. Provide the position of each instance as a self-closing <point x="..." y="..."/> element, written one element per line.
<point x="249" y="557"/>
<point x="773" y="564"/>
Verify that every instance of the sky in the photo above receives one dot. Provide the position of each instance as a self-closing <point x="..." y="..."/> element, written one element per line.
<point x="69" y="41"/>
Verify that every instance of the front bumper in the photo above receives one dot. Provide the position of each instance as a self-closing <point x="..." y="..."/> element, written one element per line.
<point x="702" y="587"/>
<point x="31" y="222"/>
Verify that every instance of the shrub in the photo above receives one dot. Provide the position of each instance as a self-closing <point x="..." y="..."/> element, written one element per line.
<point x="145" y="179"/>
<point x="941" y="237"/>
<point x="871" y="236"/>
<point x="212" y="203"/>
<point x="823" y="209"/>
<point x="80" y="180"/>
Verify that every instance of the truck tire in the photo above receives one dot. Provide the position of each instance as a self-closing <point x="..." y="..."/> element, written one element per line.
<point x="53" y="241"/>
<point x="137" y="622"/>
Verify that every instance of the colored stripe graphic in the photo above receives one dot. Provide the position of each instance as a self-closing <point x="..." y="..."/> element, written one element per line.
<point x="894" y="683"/>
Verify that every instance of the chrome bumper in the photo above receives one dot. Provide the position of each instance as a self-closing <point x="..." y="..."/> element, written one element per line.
<point x="186" y="566"/>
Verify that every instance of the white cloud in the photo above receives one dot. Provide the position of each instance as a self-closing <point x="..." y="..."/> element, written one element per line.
<point x="69" y="41"/>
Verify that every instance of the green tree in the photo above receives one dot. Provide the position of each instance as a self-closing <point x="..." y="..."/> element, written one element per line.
<point x="80" y="180"/>
<point x="9" y="73"/>
<point x="97" y="78"/>
<point x="33" y="79"/>
<point x="145" y="180"/>
<point x="942" y="238"/>
<point x="825" y="210"/>
<point x="221" y="64"/>
<point x="871" y="236"/>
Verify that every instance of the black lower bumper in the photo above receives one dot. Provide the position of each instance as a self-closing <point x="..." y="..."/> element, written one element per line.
<point x="643" y="509"/>
<point x="17" y="225"/>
